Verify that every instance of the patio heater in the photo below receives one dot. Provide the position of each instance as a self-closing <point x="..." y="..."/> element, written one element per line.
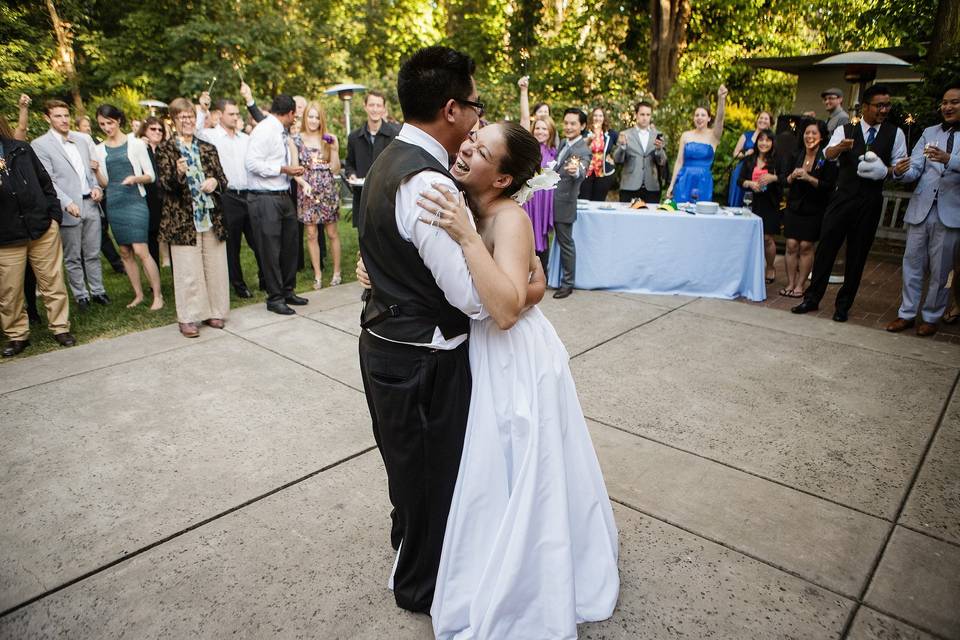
<point x="345" y="93"/>
<point x="860" y="69"/>
<point x="153" y="105"/>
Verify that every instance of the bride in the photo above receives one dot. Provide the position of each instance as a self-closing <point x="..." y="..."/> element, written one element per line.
<point x="530" y="548"/>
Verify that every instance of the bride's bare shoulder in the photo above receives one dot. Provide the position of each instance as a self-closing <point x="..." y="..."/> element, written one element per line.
<point x="510" y="215"/>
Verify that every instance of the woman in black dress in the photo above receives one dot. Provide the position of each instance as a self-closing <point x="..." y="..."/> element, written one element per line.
<point x="809" y="179"/>
<point x="759" y="175"/>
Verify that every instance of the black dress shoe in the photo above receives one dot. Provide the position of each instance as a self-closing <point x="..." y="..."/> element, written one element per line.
<point x="101" y="298"/>
<point x="83" y="304"/>
<point x="281" y="308"/>
<point x="805" y="307"/>
<point x="242" y="291"/>
<point x="295" y="300"/>
<point x="65" y="339"/>
<point x="839" y="315"/>
<point x="563" y="292"/>
<point x="13" y="347"/>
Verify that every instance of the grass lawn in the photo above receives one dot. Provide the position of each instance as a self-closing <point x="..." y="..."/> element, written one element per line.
<point x="115" y="319"/>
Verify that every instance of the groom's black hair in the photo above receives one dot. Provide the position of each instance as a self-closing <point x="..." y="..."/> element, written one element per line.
<point x="430" y="78"/>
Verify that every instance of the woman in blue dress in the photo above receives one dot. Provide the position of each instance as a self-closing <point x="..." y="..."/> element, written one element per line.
<point x="741" y="152"/>
<point x="692" y="173"/>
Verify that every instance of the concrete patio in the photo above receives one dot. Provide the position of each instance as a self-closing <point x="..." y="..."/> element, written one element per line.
<point x="773" y="476"/>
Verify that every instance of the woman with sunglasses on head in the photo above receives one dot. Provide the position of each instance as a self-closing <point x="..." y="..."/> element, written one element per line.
<point x="124" y="169"/>
<point x="153" y="134"/>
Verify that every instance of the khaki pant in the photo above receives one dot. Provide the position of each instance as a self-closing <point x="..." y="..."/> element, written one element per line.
<point x="200" y="279"/>
<point x="45" y="255"/>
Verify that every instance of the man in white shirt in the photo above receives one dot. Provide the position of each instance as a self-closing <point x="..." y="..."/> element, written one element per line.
<point x="231" y="144"/>
<point x="413" y="345"/>
<point x="640" y="150"/>
<point x="854" y="210"/>
<point x="67" y="156"/>
<point x="272" y="211"/>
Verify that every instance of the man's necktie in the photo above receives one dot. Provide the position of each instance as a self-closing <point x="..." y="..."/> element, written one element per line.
<point x="951" y="133"/>
<point x="871" y="135"/>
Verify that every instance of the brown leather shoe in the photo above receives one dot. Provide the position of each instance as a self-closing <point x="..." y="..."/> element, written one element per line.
<point x="214" y="323"/>
<point x="189" y="330"/>
<point x="925" y="329"/>
<point x="900" y="324"/>
<point x="65" y="339"/>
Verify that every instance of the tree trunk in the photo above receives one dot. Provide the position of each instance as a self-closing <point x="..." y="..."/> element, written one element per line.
<point x="669" y="19"/>
<point x="65" y="56"/>
<point x="946" y="30"/>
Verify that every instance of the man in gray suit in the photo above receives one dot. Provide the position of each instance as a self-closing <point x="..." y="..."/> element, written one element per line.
<point x="66" y="155"/>
<point x="932" y="218"/>
<point x="572" y="157"/>
<point x="640" y="151"/>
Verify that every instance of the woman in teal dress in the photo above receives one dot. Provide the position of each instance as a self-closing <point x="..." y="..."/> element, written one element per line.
<point x="692" y="173"/>
<point x="741" y="152"/>
<point x="124" y="169"/>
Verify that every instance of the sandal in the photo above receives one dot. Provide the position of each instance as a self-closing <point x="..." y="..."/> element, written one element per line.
<point x="335" y="280"/>
<point x="793" y="293"/>
<point x="951" y="316"/>
<point x="769" y="280"/>
<point x="317" y="284"/>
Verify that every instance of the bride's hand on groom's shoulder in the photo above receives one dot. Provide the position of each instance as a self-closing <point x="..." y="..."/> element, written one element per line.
<point x="447" y="209"/>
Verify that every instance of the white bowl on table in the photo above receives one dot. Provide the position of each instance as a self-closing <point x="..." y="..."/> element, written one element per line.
<point x="707" y="208"/>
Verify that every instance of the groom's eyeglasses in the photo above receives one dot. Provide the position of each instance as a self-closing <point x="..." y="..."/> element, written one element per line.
<point x="476" y="105"/>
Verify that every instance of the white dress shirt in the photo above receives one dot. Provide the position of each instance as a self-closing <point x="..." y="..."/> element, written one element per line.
<point x="440" y="253"/>
<point x="73" y="154"/>
<point x="644" y="136"/>
<point x="232" y="149"/>
<point x="899" y="142"/>
<point x="266" y="152"/>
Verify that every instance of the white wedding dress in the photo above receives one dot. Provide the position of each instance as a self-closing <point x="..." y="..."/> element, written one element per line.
<point x="531" y="545"/>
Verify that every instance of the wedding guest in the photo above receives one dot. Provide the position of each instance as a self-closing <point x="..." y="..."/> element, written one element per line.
<point x="932" y="218"/>
<point x="85" y="126"/>
<point x="810" y="181"/>
<point x="67" y="156"/>
<point x="601" y="139"/>
<point x="231" y="144"/>
<point x="124" y="168"/>
<point x="759" y="175"/>
<point x="640" y="149"/>
<point x="365" y="143"/>
<point x="692" y="172"/>
<point x="541" y="110"/>
<point x="153" y="134"/>
<point x="836" y="116"/>
<point x="192" y="223"/>
<point x="29" y="235"/>
<point x="252" y="109"/>
<point x="540" y="205"/>
<point x="744" y="149"/>
<point x="318" y="198"/>
<point x="571" y="159"/>
<point x="272" y="211"/>
<point x="854" y="210"/>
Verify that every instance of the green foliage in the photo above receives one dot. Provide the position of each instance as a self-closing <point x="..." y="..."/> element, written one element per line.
<point x="125" y="99"/>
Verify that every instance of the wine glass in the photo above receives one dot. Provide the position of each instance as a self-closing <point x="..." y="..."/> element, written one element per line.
<point x="695" y="195"/>
<point x="748" y="199"/>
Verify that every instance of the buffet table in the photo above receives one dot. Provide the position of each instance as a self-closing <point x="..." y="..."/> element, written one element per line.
<point x="661" y="252"/>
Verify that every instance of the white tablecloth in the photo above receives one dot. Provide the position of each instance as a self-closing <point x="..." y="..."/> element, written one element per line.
<point x="648" y="251"/>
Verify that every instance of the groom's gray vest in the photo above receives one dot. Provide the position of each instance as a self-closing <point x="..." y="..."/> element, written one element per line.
<point x="405" y="303"/>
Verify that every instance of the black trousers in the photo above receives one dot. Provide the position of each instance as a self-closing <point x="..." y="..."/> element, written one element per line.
<point x="850" y="218"/>
<point x="355" y="218"/>
<point x="650" y="197"/>
<point x="236" y="217"/>
<point x="596" y="188"/>
<point x="274" y="220"/>
<point x="418" y="400"/>
<point x="568" y="253"/>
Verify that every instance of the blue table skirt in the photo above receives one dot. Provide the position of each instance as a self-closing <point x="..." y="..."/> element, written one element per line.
<point x="646" y="251"/>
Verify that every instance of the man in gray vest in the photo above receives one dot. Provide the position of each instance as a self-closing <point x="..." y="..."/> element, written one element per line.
<point x="413" y="342"/>
<point x="932" y="218"/>
<point x="66" y="155"/>
<point x="854" y="209"/>
<point x="572" y="159"/>
<point x="836" y="116"/>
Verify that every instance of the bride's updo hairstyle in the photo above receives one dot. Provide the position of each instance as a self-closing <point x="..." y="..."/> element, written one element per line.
<point x="522" y="160"/>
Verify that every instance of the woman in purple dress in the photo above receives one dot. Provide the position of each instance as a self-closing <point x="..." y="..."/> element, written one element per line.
<point x="540" y="206"/>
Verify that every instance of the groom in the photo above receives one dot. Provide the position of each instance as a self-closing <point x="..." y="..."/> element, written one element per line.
<point x="413" y="344"/>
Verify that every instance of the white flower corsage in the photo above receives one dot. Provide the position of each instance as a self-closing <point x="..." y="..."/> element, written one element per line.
<point x="546" y="179"/>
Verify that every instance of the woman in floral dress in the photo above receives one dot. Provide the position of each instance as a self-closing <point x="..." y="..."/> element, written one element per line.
<point x="318" y="198"/>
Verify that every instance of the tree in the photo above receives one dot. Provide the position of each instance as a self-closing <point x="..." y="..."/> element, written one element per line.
<point x="65" y="54"/>
<point x="946" y="30"/>
<point x="668" y="38"/>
